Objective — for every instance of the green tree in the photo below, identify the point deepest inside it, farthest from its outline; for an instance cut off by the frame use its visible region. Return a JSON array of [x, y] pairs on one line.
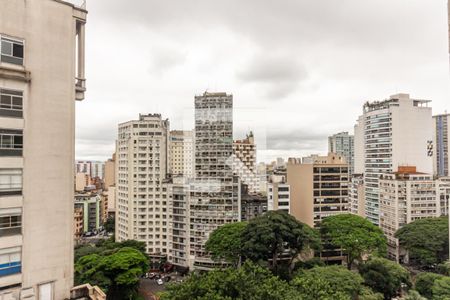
[[225, 243], [276, 233], [110, 224], [441, 289], [250, 282], [426, 241], [368, 294], [117, 271], [332, 278], [354, 234], [317, 289], [424, 283], [414, 295], [384, 276]]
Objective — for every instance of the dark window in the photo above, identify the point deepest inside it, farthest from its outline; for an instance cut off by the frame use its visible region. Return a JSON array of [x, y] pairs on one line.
[[11, 103], [10, 221], [11, 142], [11, 51]]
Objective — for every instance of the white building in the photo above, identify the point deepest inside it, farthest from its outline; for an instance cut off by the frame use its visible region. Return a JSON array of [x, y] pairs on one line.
[[181, 149], [356, 195], [441, 138], [278, 197], [142, 207], [343, 144], [397, 131], [41, 76], [92, 168], [405, 196]]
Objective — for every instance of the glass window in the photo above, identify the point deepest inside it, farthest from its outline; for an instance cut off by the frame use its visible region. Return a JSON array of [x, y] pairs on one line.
[[11, 51], [11, 142], [11, 103], [10, 221], [10, 261], [10, 182]]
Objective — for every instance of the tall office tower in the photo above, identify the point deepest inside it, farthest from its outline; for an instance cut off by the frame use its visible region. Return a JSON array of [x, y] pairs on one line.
[[41, 76], [441, 137], [319, 189], [181, 149], [343, 144], [407, 195], [244, 162], [214, 200], [142, 207], [397, 131]]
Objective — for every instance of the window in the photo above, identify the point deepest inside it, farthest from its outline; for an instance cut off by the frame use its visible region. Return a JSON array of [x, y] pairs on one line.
[[11, 103], [10, 221], [10, 182], [11, 51], [11, 142], [10, 261]]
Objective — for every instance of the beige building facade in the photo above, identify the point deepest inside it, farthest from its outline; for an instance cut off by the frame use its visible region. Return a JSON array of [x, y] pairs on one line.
[[142, 207], [181, 153], [244, 162], [407, 195], [41, 76]]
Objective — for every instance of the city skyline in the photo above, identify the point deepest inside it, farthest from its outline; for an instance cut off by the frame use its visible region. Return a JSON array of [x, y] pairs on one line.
[[288, 73]]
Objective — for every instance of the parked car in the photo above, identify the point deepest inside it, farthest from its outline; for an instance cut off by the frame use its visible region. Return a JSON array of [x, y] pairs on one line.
[[160, 281]]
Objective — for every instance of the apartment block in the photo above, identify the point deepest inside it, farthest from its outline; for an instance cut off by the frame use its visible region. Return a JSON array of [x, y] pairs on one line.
[[407, 195], [357, 197], [92, 168], [181, 149], [142, 206], [278, 196], [90, 207], [343, 144], [319, 188], [441, 138], [244, 162], [214, 198], [252, 204], [397, 131], [41, 76], [110, 172]]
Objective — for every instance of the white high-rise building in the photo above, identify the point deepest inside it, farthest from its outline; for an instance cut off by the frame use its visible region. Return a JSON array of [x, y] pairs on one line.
[[181, 149], [41, 76], [143, 209], [343, 144], [214, 200], [397, 132], [441, 137]]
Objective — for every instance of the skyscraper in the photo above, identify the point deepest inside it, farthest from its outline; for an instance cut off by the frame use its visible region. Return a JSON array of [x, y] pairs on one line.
[[343, 144], [244, 162], [441, 136], [396, 132], [142, 206], [41, 76], [214, 200]]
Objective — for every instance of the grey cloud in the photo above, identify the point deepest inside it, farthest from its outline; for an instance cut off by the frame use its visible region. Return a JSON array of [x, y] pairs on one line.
[[165, 58], [299, 139]]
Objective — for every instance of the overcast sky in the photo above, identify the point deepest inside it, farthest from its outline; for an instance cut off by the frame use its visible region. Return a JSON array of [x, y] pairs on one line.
[[299, 70]]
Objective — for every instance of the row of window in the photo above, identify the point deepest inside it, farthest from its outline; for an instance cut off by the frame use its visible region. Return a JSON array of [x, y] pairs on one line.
[[10, 261], [11, 51], [11, 142], [10, 221]]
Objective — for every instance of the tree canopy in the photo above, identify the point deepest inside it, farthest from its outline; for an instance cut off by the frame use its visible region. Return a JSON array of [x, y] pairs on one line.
[[441, 289], [114, 267], [384, 276], [225, 243], [250, 282], [424, 283], [354, 234], [426, 241], [276, 234], [334, 281]]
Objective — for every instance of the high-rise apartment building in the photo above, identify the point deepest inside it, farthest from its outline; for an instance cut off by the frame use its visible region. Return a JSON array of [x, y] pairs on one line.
[[181, 149], [397, 131], [92, 168], [441, 137], [214, 199], [244, 162], [356, 195], [407, 195], [41, 76], [142, 206], [319, 189], [343, 144]]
